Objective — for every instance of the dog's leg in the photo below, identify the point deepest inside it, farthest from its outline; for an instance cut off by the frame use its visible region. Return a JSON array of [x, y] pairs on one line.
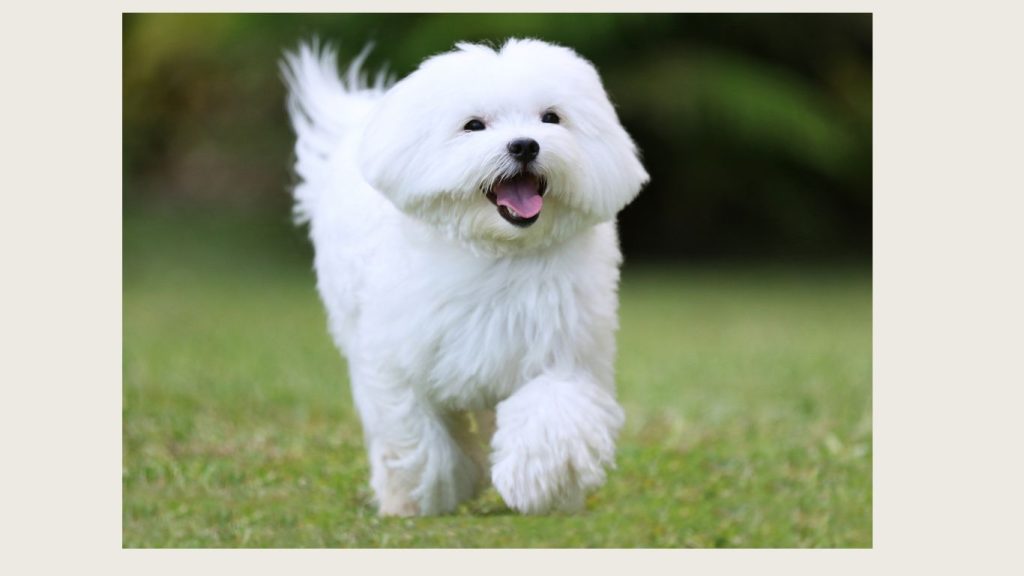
[[473, 432], [555, 437], [417, 468]]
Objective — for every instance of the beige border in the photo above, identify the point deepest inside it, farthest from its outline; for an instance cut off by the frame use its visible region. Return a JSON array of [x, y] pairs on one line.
[[948, 338]]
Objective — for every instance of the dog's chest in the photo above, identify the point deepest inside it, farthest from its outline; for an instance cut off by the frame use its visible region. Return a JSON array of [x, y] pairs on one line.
[[469, 338], [495, 340]]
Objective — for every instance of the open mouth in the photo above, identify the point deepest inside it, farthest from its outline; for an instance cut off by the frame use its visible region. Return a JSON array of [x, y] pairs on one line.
[[519, 199]]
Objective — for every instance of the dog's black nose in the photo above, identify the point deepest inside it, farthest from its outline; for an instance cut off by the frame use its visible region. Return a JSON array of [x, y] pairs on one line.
[[524, 149]]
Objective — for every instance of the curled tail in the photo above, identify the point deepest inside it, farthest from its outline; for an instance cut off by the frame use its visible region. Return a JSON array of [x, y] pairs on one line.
[[324, 108]]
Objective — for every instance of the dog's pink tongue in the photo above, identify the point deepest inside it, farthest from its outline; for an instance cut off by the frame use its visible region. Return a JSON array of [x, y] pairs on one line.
[[521, 195]]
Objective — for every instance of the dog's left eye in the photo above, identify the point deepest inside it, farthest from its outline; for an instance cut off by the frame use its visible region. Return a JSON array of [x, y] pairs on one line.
[[550, 118], [474, 125]]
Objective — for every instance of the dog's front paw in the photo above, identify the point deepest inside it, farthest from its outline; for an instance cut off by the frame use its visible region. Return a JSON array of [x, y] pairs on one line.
[[553, 442], [536, 481]]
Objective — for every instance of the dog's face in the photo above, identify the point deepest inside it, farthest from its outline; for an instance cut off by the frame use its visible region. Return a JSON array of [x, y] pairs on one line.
[[506, 150]]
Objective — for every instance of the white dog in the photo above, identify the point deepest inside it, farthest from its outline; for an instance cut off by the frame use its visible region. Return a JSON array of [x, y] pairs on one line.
[[466, 252]]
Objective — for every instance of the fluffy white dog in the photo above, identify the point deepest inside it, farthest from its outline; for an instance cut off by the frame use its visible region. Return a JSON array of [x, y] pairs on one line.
[[466, 252]]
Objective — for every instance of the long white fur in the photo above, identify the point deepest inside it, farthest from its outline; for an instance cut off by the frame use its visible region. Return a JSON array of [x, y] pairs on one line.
[[440, 305]]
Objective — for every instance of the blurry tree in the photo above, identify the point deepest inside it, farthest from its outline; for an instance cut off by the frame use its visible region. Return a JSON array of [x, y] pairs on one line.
[[756, 129]]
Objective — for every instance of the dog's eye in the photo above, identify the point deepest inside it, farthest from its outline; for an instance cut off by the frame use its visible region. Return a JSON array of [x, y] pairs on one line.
[[550, 118], [474, 125]]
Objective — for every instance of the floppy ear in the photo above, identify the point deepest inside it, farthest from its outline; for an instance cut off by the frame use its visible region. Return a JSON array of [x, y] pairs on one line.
[[611, 173], [386, 146], [394, 155], [615, 175]]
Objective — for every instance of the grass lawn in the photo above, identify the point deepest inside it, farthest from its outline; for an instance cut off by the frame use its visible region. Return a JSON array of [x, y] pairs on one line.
[[747, 393]]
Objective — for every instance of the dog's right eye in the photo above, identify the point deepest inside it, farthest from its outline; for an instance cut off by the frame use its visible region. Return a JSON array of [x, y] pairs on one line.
[[474, 125]]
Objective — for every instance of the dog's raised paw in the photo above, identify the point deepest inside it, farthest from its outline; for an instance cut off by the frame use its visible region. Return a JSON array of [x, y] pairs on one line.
[[554, 440]]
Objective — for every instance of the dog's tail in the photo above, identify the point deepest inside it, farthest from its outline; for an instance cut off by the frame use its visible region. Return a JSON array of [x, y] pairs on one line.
[[324, 108]]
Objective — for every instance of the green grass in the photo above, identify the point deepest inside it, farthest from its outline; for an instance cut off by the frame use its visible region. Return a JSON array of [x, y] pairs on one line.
[[747, 393]]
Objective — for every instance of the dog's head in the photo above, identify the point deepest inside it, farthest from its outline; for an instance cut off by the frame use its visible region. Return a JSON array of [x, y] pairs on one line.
[[505, 149]]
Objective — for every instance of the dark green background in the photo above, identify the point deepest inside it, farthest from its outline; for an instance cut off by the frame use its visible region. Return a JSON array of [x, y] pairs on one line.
[[756, 129]]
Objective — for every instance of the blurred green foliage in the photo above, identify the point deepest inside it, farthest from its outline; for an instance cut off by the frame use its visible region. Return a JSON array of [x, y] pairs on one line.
[[756, 129]]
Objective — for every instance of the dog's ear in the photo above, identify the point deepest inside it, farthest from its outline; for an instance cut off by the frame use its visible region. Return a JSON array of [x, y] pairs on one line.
[[611, 171], [397, 154], [409, 150], [614, 175]]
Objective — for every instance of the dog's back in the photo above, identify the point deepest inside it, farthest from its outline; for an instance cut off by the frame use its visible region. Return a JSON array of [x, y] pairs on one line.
[[328, 113]]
